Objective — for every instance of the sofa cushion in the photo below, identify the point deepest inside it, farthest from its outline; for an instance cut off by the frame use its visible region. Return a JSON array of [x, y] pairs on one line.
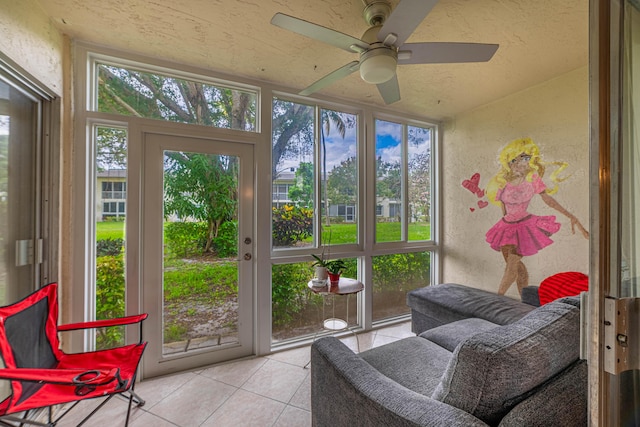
[[493, 371], [449, 302], [452, 334], [413, 362]]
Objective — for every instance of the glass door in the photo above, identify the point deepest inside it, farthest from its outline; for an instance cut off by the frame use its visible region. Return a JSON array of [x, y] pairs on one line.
[[197, 239], [20, 115]]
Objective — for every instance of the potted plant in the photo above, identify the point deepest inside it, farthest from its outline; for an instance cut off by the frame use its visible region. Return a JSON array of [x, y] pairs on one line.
[[321, 271], [335, 267]]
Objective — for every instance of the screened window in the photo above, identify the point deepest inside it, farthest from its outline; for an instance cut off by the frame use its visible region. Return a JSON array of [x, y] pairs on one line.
[[311, 156], [403, 182], [138, 93]]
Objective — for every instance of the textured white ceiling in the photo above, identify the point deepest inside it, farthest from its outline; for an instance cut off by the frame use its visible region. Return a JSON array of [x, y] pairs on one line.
[[539, 39]]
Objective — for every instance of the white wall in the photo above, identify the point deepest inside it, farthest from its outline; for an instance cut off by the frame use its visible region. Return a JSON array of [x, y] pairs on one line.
[[28, 37], [555, 115]]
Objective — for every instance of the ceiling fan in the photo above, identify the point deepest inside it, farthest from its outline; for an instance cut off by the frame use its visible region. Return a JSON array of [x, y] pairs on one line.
[[382, 47]]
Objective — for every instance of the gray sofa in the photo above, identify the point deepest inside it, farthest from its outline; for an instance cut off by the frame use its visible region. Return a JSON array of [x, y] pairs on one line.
[[495, 364]]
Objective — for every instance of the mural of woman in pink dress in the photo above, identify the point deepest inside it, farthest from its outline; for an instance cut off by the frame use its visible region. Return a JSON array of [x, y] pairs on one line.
[[520, 233]]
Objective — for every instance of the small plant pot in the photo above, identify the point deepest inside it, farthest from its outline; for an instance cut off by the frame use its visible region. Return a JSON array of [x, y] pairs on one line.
[[334, 279], [321, 272]]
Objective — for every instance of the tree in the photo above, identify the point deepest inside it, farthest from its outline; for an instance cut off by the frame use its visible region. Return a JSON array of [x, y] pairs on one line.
[[420, 184], [197, 186], [302, 192], [201, 187], [388, 184], [342, 184]]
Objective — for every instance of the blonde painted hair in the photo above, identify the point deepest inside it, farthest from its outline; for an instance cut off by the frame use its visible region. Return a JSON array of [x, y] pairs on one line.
[[536, 167]]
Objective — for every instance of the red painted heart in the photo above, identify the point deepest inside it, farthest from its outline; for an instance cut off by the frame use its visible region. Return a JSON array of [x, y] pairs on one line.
[[482, 204], [472, 183]]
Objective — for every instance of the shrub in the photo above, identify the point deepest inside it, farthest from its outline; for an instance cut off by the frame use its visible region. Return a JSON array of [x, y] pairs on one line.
[[395, 272], [291, 224], [185, 239], [226, 244], [109, 298], [289, 291], [109, 246]]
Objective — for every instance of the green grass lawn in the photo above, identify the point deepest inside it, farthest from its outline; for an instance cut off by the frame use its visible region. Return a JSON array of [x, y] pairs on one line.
[[109, 230], [340, 233], [385, 232]]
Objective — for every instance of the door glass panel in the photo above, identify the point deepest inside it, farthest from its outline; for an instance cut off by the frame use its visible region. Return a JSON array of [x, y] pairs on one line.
[[111, 195], [18, 141], [200, 266]]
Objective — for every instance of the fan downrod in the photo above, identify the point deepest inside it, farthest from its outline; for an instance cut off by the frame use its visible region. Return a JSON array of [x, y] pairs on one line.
[[376, 12]]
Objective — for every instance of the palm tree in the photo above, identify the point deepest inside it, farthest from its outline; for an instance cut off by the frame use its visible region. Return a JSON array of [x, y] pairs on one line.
[[329, 116]]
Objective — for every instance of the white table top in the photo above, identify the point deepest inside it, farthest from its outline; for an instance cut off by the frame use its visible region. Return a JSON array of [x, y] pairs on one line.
[[345, 286]]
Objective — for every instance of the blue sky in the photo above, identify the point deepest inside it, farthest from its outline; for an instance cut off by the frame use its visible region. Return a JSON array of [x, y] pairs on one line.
[[388, 146]]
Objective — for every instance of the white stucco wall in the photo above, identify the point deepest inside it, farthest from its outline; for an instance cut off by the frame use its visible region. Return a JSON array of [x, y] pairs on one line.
[[28, 37], [555, 115]]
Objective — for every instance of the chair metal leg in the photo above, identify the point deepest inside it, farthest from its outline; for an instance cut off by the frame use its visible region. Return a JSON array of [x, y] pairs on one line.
[[95, 410]]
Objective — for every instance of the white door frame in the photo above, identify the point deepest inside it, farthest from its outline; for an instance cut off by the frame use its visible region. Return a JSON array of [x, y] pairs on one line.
[[154, 143]]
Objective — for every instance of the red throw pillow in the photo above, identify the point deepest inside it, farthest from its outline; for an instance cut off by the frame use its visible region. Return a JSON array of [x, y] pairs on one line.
[[561, 285]]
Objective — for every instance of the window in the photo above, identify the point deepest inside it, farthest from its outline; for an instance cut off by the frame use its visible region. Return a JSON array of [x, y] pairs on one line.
[[403, 182], [114, 190], [131, 92], [308, 162], [403, 214]]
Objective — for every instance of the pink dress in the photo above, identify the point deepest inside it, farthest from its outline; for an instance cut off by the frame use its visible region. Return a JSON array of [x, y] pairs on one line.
[[529, 233]]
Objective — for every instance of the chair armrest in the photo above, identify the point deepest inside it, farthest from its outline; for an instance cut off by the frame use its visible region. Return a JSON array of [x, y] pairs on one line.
[[75, 377], [346, 390], [118, 321]]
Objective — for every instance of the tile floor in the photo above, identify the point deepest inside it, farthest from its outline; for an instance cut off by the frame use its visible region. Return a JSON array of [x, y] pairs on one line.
[[273, 390]]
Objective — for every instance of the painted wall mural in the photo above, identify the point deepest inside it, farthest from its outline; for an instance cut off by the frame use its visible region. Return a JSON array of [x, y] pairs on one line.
[[519, 233]]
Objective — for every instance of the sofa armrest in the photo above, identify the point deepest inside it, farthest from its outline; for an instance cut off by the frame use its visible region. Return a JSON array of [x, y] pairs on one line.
[[346, 390], [530, 296]]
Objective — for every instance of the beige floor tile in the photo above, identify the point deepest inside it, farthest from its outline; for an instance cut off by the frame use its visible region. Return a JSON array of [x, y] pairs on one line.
[[402, 330], [246, 409], [113, 413], [147, 420], [194, 402], [276, 380], [297, 356], [154, 390], [234, 373], [294, 417], [302, 397]]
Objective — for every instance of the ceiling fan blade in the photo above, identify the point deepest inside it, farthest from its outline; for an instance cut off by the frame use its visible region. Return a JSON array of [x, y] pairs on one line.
[[405, 18], [318, 32], [437, 53], [390, 90], [332, 77]]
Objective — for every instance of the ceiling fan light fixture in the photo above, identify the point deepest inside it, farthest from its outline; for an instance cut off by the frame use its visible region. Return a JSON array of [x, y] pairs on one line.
[[378, 65]]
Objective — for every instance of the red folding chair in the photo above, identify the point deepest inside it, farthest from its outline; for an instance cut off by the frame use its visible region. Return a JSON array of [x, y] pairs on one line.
[[41, 375]]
